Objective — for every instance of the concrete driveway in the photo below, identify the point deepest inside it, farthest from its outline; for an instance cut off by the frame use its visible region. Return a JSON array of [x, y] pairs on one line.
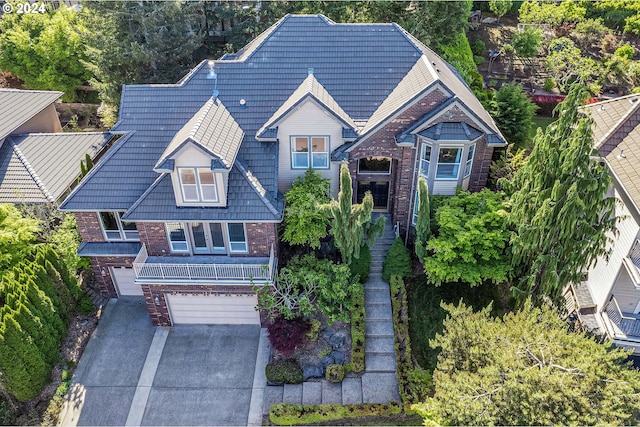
[[133, 373]]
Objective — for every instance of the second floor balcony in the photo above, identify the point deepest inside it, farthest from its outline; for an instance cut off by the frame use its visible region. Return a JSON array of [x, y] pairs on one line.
[[203, 268]]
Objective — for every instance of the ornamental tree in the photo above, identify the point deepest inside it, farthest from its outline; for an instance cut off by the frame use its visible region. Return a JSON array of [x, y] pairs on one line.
[[350, 222], [500, 7], [527, 369], [305, 224], [559, 208], [471, 246]]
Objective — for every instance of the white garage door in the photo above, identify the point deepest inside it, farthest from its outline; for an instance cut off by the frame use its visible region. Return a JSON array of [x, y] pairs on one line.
[[213, 309], [124, 278]]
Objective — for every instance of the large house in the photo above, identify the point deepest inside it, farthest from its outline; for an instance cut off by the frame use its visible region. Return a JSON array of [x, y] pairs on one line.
[[184, 209], [38, 162], [608, 300]]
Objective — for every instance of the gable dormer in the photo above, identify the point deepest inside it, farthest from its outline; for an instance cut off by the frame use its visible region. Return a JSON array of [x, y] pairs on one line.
[[200, 156], [308, 126]]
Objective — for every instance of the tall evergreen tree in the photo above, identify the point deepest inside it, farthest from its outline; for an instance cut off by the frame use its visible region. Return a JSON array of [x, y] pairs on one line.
[[513, 112], [558, 205], [423, 220], [349, 222], [527, 369]]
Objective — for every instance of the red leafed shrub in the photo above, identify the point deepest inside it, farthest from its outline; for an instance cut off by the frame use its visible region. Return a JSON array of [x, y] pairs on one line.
[[546, 103], [287, 335]]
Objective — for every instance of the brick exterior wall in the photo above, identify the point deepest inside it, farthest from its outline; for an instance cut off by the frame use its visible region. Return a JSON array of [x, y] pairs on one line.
[[160, 312], [260, 237], [404, 160], [105, 283], [154, 236], [89, 226]]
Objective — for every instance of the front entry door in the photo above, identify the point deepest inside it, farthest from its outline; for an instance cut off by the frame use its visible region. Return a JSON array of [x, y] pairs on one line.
[[379, 192]]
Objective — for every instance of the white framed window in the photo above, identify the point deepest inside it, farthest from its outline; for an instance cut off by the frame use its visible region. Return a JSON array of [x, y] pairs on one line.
[[115, 228], [310, 152], [198, 185], [375, 165], [448, 163], [237, 237], [469, 164], [425, 160], [415, 209], [177, 237]]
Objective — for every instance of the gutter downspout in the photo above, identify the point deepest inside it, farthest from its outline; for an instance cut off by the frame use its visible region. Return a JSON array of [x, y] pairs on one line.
[[412, 200]]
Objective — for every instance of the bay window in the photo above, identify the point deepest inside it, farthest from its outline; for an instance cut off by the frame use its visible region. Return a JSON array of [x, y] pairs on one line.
[[425, 160], [448, 163], [467, 168]]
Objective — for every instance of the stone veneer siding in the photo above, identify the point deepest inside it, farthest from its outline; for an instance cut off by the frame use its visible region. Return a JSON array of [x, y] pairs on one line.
[[160, 312], [404, 166]]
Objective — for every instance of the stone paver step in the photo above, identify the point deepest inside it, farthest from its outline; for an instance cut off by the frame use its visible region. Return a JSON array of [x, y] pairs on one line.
[[292, 393], [351, 390], [378, 328], [379, 284], [378, 312], [376, 295], [380, 362], [331, 392], [379, 345], [380, 387], [272, 394], [311, 392]]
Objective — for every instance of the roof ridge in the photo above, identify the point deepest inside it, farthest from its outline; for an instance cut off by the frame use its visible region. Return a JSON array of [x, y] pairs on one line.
[[203, 114], [31, 171], [8, 89], [250, 48], [32, 134], [256, 185]]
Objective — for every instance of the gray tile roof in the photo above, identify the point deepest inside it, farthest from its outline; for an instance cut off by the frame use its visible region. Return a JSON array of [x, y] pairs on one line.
[[40, 167], [213, 129], [310, 87], [609, 115], [109, 248], [359, 66], [447, 131], [18, 106], [159, 203]]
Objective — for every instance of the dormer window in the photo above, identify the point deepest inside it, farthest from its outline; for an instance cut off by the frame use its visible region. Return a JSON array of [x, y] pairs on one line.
[[198, 185], [310, 152]]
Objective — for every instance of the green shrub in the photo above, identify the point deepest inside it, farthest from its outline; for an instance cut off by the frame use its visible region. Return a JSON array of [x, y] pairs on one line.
[[334, 373], [549, 84], [51, 415], [286, 414], [414, 383], [360, 266], [477, 59], [85, 305], [284, 371], [625, 51], [314, 330], [66, 375], [7, 414], [397, 262], [357, 332], [478, 47]]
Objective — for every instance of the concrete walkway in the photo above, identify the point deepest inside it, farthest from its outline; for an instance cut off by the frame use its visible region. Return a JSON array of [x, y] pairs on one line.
[[379, 383]]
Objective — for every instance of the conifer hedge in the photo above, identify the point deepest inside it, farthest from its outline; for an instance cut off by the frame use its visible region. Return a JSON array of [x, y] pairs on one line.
[[37, 299]]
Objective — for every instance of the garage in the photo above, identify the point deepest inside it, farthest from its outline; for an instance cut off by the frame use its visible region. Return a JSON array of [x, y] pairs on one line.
[[213, 309], [124, 281]]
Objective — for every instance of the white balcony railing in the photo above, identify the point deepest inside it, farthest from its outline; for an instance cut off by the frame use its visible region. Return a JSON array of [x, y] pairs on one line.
[[194, 271]]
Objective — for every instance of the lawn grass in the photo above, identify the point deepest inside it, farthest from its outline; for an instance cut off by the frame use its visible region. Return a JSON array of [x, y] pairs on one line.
[[426, 315], [539, 122]]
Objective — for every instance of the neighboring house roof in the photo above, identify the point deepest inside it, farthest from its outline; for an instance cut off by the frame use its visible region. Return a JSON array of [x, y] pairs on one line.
[[616, 133], [447, 131], [40, 167], [213, 129], [359, 66], [18, 106], [309, 88]]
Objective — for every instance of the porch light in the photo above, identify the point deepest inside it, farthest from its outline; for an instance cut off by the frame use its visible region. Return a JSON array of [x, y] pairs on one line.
[[157, 300], [103, 272]]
